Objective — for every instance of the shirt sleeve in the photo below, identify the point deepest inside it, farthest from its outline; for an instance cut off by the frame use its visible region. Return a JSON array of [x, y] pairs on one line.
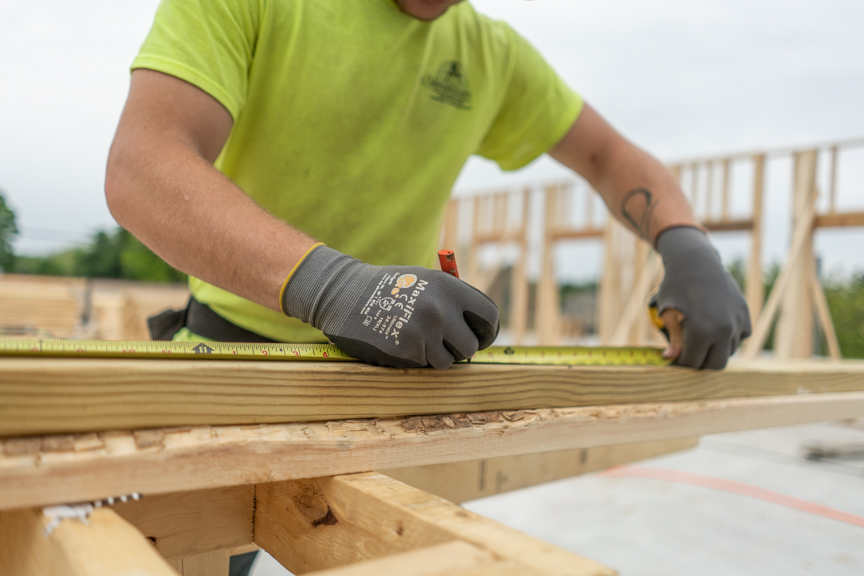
[[537, 111], [208, 43]]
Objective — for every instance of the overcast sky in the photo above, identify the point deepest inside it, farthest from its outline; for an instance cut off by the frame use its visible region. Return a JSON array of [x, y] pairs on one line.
[[680, 78]]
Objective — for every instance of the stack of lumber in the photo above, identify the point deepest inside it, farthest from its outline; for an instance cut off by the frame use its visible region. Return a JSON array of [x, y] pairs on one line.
[[42, 305], [121, 308], [59, 307]]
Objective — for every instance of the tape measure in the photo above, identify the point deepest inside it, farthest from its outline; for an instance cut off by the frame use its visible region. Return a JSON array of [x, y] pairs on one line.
[[538, 355]]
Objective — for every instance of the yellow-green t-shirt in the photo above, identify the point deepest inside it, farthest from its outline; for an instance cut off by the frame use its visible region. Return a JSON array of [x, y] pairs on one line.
[[352, 120]]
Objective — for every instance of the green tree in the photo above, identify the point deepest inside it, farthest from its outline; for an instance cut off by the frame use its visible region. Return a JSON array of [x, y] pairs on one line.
[[137, 262], [738, 270], [846, 302], [109, 254], [8, 231], [119, 254], [101, 259]]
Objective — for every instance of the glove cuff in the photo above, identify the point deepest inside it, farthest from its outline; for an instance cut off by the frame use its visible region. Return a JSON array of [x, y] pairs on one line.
[[322, 285], [681, 244], [304, 286]]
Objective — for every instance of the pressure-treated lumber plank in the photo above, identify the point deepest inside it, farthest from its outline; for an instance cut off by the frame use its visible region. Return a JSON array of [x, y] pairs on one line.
[[462, 481], [192, 523], [47, 396], [439, 560], [106, 546], [327, 522], [100, 465]]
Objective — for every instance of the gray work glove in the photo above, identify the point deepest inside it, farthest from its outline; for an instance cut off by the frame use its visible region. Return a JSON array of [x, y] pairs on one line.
[[716, 318], [399, 316]]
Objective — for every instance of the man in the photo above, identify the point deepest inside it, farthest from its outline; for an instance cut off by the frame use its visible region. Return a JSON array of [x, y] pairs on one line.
[[256, 129], [348, 122]]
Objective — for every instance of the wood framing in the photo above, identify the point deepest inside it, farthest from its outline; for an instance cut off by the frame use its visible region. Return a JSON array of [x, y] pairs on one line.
[[189, 528], [452, 558], [49, 396], [91, 466], [327, 522], [794, 335], [839, 220], [755, 289], [185, 524], [106, 545], [214, 563], [800, 234], [627, 331], [823, 316], [462, 481], [547, 309]]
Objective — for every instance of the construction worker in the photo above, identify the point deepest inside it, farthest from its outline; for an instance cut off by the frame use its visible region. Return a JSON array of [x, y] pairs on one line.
[[295, 157]]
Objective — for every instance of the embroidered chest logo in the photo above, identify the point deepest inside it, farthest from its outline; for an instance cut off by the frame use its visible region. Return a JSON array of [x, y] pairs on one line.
[[450, 85]]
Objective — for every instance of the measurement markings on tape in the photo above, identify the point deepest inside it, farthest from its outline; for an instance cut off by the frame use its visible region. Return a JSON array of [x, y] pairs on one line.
[[536, 355], [169, 350]]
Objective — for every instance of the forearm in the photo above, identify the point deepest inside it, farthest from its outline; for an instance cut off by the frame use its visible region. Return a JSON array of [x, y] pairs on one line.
[[198, 221], [641, 193], [639, 190]]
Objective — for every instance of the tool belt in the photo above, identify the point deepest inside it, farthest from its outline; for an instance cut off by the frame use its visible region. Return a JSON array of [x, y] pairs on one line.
[[200, 319]]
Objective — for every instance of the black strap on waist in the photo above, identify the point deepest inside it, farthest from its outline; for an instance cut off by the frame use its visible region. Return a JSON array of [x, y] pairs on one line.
[[200, 319]]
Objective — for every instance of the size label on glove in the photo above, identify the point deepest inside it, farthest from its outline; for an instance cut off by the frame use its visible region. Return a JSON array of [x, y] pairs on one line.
[[392, 303]]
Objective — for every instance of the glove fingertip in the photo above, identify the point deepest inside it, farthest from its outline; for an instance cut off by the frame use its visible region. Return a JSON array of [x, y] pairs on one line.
[[486, 333]]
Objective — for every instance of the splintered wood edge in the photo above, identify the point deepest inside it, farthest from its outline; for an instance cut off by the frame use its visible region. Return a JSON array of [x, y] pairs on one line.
[[51, 470]]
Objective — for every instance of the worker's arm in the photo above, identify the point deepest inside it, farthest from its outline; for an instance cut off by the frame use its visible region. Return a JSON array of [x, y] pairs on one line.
[[161, 186], [702, 307], [638, 189]]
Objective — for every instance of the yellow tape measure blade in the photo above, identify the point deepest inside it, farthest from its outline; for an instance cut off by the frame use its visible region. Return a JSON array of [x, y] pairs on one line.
[[169, 350], [571, 356], [536, 355]]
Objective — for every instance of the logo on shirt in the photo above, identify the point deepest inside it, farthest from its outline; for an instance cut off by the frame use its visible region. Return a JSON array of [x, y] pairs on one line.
[[450, 85]]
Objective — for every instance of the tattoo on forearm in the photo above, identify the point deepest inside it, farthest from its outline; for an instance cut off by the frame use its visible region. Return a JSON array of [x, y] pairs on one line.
[[639, 199]]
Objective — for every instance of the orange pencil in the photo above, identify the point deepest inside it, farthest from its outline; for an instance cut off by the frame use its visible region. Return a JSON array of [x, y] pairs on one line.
[[448, 262]]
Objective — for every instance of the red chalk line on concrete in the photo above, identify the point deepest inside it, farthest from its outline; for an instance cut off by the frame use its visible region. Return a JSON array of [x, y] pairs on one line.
[[732, 487]]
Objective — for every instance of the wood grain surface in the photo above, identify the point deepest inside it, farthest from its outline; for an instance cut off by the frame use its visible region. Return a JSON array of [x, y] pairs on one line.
[[106, 545], [50, 396], [73, 468], [323, 523], [462, 481]]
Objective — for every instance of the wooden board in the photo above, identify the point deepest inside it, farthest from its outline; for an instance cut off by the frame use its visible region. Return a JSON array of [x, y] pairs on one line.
[[841, 219], [48, 396], [214, 563], [64, 307], [793, 336], [194, 523], [41, 471], [439, 560], [327, 522], [106, 546], [462, 481]]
